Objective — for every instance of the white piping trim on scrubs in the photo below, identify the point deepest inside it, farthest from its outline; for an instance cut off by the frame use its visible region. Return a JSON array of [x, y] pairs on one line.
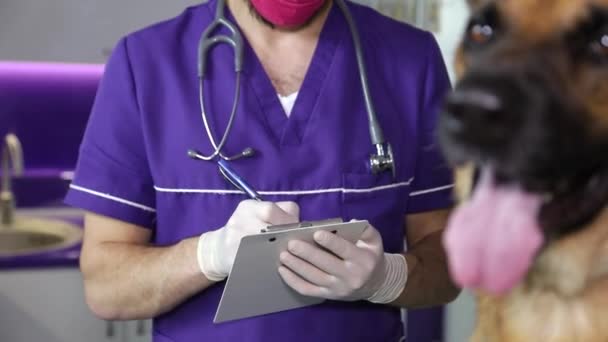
[[428, 191], [112, 198], [295, 192]]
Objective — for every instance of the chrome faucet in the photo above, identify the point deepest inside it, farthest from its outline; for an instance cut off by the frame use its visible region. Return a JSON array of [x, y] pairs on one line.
[[12, 154]]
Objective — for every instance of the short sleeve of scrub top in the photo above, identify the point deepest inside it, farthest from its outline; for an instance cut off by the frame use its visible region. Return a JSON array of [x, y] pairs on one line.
[[112, 174], [433, 180]]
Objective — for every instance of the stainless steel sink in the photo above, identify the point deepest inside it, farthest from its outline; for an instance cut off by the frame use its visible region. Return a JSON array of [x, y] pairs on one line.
[[23, 234], [35, 235]]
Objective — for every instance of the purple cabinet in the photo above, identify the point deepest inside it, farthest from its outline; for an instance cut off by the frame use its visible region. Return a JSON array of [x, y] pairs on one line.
[[47, 106]]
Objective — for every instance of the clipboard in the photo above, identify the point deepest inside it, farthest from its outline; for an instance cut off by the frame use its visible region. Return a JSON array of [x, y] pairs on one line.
[[255, 287]]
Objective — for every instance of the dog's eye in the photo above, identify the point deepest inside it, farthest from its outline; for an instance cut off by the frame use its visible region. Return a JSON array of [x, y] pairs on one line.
[[482, 29], [599, 47], [480, 33], [589, 41]]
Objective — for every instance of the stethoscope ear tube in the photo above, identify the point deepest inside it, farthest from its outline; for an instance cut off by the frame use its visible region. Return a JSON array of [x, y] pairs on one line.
[[207, 41]]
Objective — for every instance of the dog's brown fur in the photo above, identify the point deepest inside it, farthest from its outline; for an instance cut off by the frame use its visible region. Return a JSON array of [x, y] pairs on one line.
[[565, 295], [564, 298]]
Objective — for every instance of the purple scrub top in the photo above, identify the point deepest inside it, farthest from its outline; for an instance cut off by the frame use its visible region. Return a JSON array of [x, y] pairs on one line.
[[133, 164]]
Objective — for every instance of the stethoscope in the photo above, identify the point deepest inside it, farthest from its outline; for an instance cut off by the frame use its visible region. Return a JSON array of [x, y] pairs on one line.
[[380, 161]]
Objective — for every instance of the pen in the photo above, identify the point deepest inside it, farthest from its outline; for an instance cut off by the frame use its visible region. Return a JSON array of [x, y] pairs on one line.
[[238, 182]]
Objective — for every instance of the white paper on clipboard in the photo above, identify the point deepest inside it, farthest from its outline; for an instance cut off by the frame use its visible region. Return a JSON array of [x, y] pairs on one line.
[[255, 287]]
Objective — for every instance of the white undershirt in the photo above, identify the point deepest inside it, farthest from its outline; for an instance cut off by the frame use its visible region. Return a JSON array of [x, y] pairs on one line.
[[287, 102]]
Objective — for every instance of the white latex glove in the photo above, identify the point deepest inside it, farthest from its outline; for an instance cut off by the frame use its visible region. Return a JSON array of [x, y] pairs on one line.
[[217, 249], [353, 272]]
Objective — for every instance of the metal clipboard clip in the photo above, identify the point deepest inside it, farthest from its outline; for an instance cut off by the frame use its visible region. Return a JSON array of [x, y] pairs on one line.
[[304, 224]]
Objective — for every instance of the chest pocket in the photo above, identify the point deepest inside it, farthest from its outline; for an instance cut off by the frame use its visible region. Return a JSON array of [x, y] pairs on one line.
[[381, 201]]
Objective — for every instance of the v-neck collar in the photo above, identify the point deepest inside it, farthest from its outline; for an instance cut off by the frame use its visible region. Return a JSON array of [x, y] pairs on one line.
[[290, 130]]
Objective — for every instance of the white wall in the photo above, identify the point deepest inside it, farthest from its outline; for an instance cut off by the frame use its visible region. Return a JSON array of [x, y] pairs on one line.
[[75, 30], [453, 18]]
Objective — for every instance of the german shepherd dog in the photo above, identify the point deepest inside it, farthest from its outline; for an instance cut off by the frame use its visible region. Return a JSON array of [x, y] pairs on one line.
[[526, 129]]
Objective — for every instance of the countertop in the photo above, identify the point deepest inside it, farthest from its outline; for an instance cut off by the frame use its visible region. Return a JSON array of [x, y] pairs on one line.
[[67, 257]]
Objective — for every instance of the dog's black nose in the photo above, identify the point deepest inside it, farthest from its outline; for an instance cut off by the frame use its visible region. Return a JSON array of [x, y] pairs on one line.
[[478, 114]]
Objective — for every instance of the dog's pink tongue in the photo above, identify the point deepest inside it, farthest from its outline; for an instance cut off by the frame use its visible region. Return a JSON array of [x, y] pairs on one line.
[[492, 239]]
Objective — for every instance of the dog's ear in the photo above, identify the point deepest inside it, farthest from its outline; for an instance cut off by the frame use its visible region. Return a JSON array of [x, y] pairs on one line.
[[474, 4]]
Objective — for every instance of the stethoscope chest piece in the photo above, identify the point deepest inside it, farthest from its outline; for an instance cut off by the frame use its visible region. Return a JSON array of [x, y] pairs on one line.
[[383, 160]]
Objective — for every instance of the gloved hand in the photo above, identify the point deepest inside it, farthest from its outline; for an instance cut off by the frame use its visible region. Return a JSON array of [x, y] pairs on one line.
[[353, 272], [217, 249]]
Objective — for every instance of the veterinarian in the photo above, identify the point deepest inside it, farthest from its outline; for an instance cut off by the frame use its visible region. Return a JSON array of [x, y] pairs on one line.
[[162, 226]]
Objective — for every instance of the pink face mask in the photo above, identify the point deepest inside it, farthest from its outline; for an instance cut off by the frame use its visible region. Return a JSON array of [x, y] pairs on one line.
[[287, 13]]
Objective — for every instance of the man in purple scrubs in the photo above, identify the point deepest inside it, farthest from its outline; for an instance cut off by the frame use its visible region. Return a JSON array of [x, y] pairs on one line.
[[162, 229]]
